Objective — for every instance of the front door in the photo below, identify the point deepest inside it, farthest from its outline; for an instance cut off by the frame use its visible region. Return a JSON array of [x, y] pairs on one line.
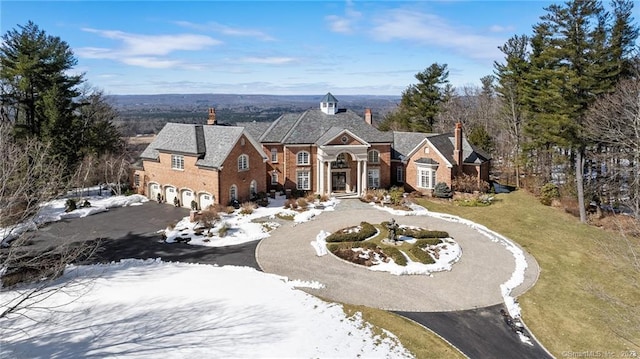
[[338, 181]]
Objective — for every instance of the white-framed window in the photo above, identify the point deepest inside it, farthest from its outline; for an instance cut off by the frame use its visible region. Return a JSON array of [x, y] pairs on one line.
[[136, 180], [400, 174], [233, 192], [253, 188], [303, 158], [274, 177], [243, 162], [303, 182], [373, 177], [373, 156], [274, 155], [426, 177], [177, 162]]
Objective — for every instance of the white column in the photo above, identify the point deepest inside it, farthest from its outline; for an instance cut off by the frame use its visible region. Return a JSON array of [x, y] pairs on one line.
[[359, 176], [364, 175], [329, 186], [320, 176]]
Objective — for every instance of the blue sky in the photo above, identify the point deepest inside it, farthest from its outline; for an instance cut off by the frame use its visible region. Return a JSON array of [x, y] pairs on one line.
[[276, 47]]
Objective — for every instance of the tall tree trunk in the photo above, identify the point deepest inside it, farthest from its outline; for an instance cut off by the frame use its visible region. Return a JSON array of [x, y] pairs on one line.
[[580, 184]]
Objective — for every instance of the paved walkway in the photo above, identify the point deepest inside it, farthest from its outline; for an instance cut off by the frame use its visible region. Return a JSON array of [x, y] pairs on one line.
[[474, 281]]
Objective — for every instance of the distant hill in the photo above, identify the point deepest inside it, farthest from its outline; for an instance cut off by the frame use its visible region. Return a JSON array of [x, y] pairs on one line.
[[145, 114]]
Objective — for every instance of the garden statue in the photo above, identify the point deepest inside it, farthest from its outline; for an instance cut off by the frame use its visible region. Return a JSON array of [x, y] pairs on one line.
[[393, 228]]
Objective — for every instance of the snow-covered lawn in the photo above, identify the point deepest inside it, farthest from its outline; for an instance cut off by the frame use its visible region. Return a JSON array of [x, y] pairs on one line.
[[54, 211], [154, 309], [242, 228]]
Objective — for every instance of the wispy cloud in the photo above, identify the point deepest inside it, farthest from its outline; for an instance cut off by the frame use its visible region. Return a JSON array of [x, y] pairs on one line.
[[148, 51], [499, 28], [268, 60], [344, 24], [226, 30], [429, 29]]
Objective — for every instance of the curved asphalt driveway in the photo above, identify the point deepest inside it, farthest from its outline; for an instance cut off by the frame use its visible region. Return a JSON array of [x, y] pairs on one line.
[[474, 281]]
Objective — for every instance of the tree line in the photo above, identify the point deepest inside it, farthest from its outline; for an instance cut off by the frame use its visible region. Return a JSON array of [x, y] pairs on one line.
[[562, 106], [55, 129]]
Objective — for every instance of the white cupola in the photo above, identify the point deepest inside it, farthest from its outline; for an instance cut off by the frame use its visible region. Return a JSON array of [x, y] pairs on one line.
[[329, 104]]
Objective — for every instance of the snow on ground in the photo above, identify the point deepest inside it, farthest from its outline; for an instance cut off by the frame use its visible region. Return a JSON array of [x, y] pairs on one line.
[[517, 276], [54, 210], [242, 228], [151, 309]]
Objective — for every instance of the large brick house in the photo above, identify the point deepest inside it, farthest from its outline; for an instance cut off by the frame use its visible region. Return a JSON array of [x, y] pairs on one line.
[[322, 150]]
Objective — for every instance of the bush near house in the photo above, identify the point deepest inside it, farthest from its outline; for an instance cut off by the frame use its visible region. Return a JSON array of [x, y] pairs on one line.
[[441, 190], [469, 184]]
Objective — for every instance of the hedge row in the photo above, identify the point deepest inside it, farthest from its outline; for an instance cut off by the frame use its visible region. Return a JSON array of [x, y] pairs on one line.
[[396, 254], [348, 245], [367, 230], [422, 233], [421, 255], [422, 243]]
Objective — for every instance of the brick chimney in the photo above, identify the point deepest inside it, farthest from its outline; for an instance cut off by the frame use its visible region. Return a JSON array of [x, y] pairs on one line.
[[367, 116], [457, 149], [212, 117]]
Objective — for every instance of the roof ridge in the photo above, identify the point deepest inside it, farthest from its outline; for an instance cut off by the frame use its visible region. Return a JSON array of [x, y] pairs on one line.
[[284, 138]]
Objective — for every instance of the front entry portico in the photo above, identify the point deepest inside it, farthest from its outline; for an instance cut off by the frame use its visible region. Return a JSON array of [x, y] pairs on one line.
[[342, 172]]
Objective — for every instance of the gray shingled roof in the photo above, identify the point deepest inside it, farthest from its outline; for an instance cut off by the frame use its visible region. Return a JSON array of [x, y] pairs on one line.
[[279, 128], [211, 144], [219, 141], [405, 142], [445, 143], [426, 160], [255, 129], [177, 138], [311, 125]]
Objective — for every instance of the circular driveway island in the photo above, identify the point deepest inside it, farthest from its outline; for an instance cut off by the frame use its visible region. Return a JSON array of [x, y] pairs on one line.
[[473, 282]]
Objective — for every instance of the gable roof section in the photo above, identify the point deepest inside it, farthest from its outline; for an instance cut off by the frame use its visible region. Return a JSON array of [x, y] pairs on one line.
[[177, 138], [335, 132], [212, 144], [406, 142], [256, 129], [309, 126], [279, 128], [445, 144]]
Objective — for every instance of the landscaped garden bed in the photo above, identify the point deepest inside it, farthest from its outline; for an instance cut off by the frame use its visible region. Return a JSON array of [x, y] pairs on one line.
[[414, 250]]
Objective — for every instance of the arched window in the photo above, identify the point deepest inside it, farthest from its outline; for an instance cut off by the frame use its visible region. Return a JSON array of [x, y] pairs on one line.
[[374, 156], [233, 192], [253, 188], [303, 158], [243, 162], [274, 177]]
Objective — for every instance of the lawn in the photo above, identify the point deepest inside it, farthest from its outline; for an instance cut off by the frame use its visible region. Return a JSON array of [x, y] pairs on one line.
[[588, 296], [418, 340]]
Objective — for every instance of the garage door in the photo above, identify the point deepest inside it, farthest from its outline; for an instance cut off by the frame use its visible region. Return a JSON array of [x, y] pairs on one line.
[[154, 191], [206, 200], [170, 194], [187, 197]]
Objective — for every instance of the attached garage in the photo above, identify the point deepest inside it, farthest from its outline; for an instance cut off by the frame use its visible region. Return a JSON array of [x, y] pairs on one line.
[[187, 197], [154, 191], [170, 194], [205, 200]]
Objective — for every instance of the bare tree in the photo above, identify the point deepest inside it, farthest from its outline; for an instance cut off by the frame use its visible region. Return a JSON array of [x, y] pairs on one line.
[[29, 177], [613, 122]]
